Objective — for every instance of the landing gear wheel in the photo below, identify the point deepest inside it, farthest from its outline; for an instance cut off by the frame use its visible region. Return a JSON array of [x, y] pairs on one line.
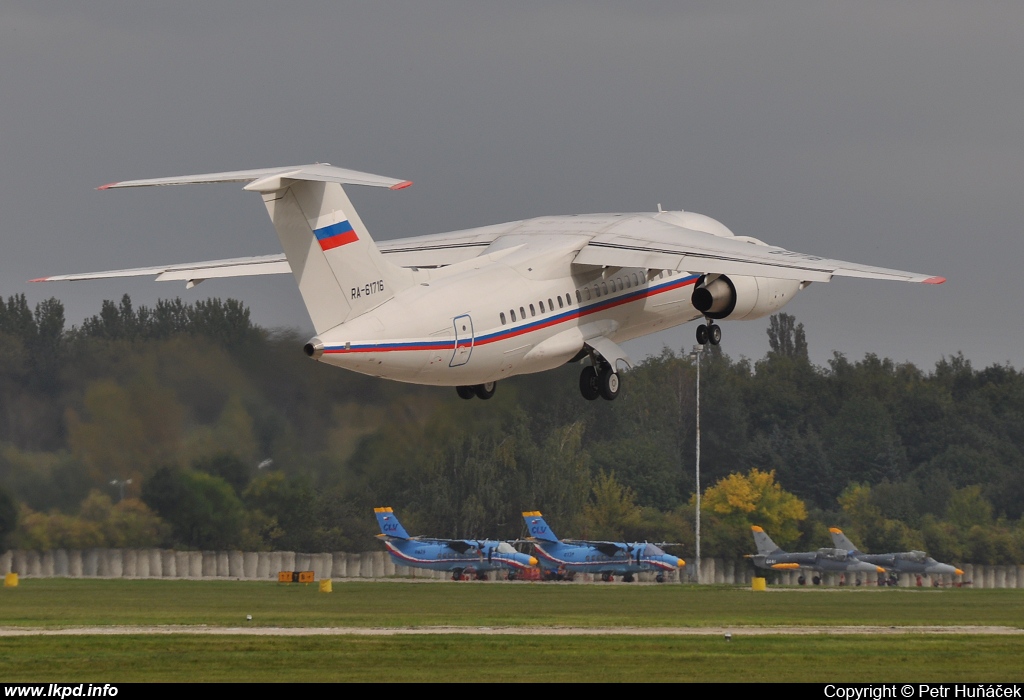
[[660, 578], [466, 392], [609, 384], [588, 383], [456, 574], [511, 576], [702, 334], [816, 580], [627, 578], [607, 578], [485, 391], [714, 334]]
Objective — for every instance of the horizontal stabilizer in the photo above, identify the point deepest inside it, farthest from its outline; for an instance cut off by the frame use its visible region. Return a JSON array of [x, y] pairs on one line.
[[270, 179], [192, 273]]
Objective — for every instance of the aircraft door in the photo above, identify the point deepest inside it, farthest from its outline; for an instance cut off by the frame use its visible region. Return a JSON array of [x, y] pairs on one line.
[[463, 341]]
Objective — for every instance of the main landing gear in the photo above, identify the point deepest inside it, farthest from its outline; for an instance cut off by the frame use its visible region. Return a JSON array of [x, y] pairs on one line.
[[711, 333], [604, 383], [483, 391]]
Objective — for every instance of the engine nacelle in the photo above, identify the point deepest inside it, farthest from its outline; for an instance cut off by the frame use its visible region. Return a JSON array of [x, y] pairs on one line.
[[743, 298]]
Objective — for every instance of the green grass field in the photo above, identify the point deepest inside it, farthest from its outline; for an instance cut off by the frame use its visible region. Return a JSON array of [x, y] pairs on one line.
[[60, 603]]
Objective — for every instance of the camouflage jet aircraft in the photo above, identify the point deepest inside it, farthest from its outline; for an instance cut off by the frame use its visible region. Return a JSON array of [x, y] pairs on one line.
[[913, 562], [461, 557], [771, 556]]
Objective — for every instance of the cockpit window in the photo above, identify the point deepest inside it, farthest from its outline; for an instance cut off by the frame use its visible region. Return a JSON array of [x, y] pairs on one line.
[[505, 548], [654, 550]]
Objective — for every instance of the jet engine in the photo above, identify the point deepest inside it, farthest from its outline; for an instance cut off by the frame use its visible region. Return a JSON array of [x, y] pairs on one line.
[[742, 298]]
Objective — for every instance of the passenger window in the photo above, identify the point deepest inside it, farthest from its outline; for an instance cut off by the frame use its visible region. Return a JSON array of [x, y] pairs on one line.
[[618, 281], [532, 312], [502, 315], [551, 306], [568, 299], [560, 304], [636, 280], [541, 302], [604, 287], [628, 285], [522, 313], [597, 291], [586, 291], [513, 315], [579, 297]]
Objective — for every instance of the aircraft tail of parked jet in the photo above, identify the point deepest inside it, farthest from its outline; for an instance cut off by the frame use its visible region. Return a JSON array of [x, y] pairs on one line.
[[340, 272], [841, 541], [537, 527], [389, 525], [764, 543]]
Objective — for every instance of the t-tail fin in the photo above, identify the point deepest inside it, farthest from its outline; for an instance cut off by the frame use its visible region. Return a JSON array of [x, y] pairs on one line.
[[763, 541], [537, 527], [841, 541], [389, 525], [340, 272]]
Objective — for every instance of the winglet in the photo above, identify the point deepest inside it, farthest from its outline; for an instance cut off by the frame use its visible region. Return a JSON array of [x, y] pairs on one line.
[[107, 186], [934, 280], [757, 528], [835, 531], [401, 185]]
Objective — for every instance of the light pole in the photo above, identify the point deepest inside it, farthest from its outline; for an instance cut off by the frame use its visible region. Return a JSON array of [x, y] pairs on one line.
[[695, 356], [121, 483]]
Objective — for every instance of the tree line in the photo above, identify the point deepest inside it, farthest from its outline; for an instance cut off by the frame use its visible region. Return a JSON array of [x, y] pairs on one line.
[[231, 438]]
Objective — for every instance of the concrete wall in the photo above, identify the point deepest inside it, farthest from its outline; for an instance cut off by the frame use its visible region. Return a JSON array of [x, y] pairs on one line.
[[163, 563]]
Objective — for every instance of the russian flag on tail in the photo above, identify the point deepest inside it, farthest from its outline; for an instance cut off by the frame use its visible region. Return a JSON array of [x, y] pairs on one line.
[[335, 235]]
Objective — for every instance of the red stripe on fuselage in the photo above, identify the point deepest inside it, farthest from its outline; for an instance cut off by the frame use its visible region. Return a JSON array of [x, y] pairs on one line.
[[528, 328]]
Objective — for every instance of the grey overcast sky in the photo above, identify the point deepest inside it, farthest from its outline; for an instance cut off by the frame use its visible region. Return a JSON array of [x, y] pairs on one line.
[[877, 132]]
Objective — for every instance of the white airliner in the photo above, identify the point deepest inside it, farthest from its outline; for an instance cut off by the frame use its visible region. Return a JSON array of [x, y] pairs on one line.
[[469, 308]]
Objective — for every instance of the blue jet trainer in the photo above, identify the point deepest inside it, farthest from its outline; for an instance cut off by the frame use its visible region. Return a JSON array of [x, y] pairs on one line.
[[461, 557], [558, 558]]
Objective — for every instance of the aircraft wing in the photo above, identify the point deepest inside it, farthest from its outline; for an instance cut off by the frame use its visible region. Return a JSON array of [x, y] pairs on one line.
[[609, 549], [191, 273], [668, 247], [461, 546]]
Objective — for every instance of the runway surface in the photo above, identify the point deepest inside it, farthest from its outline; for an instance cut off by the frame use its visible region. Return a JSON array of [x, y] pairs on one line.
[[508, 631]]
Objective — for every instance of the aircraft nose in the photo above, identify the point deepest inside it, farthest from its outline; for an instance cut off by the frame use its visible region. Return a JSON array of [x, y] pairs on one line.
[[959, 572], [680, 563], [533, 561], [879, 570]]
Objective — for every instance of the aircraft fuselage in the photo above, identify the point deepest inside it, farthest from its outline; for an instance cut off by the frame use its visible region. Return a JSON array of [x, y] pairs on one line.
[[507, 314]]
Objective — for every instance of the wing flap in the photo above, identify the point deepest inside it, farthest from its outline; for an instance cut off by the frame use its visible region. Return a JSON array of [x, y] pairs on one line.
[[662, 246]]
